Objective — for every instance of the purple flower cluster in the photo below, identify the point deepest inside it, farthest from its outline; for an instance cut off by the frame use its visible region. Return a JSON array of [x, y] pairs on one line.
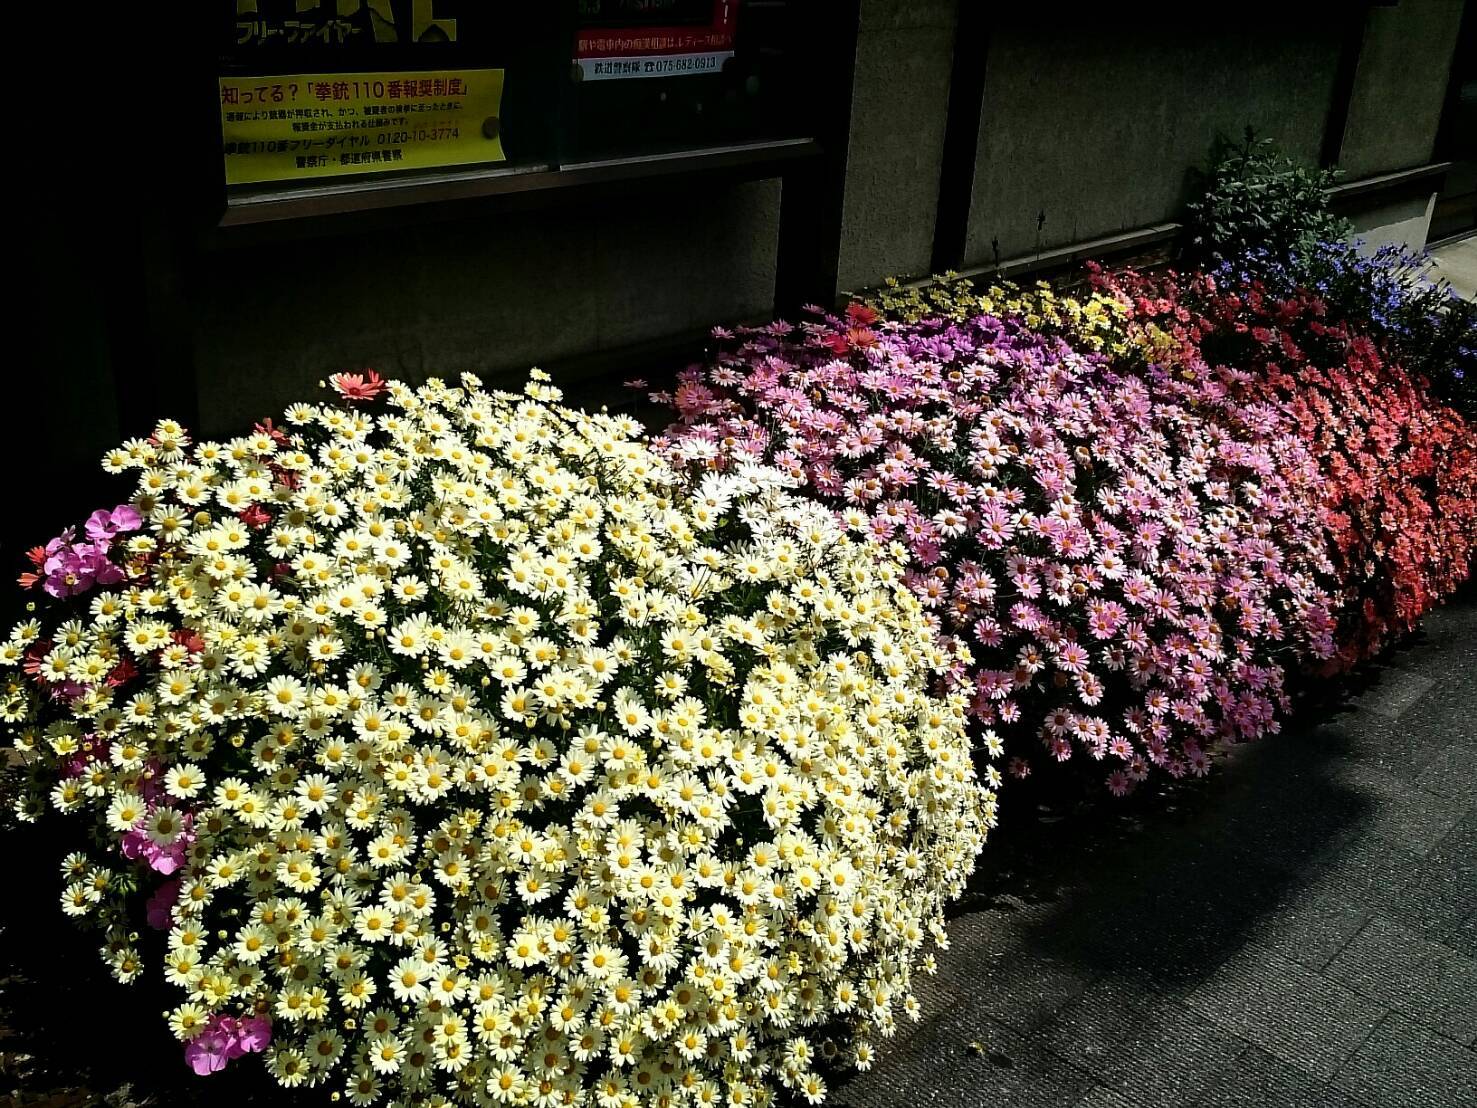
[[69, 567], [225, 1039], [1128, 575]]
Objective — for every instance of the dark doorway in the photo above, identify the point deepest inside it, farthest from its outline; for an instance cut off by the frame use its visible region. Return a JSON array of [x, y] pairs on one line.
[[1456, 142]]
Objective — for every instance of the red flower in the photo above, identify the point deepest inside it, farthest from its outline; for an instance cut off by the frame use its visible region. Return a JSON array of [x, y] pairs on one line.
[[124, 672], [190, 640], [34, 657], [1400, 506], [276, 434], [256, 517], [356, 387]]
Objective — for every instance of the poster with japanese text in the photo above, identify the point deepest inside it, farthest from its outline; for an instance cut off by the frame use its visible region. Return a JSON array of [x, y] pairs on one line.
[[654, 38], [308, 125]]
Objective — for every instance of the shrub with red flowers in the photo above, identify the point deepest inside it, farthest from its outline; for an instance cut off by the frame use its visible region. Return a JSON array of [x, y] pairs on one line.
[[1130, 578], [1399, 495]]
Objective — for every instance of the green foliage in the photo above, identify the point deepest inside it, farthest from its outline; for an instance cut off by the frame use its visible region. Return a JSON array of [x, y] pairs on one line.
[[1256, 196]]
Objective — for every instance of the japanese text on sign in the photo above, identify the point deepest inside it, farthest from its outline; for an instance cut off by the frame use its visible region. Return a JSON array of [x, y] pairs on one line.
[[339, 22], [619, 50], [317, 125]]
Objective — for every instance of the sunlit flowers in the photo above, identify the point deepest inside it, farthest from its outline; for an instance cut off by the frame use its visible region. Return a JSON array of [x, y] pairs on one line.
[[464, 756], [1397, 502], [1125, 575]]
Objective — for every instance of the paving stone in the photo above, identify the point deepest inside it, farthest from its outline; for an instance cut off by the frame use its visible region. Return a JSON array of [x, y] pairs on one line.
[[1446, 650], [1102, 1097], [1446, 713], [1403, 814], [1458, 850], [1117, 923], [1025, 1072], [992, 968], [1257, 1079], [1441, 891], [1464, 938], [1403, 748], [964, 1061], [1296, 1015], [1433, 902], [1150, 1049], [1282, 806], [1367, 869], [1452, 773], [1394, 692], [1311, 926], [1403, 1065], [1431, 652], [1431, 984]]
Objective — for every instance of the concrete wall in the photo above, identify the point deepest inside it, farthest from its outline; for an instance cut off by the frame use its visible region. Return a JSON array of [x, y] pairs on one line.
[[904, 59], [1096, 124], [490, 295], [1399, 86]]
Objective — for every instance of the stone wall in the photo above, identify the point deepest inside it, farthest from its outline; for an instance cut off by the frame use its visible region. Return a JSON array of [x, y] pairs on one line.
[[1399, 86], [905, 53], [493, 295], [1095, 127]]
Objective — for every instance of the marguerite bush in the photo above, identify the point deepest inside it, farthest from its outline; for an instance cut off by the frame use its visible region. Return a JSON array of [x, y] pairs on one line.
[[467, 758]]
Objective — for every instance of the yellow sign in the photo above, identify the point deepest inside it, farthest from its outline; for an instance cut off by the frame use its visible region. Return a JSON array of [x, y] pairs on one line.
[[327, 124]]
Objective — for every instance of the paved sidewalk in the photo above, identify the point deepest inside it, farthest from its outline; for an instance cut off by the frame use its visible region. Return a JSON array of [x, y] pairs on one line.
[[1300, 931], [1457, 262]]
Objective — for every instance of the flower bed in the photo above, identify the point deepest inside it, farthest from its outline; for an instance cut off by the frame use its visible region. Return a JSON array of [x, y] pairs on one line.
[[461, 753], [444, 746], [1390, 296], [1128, 576], [1399, 488]]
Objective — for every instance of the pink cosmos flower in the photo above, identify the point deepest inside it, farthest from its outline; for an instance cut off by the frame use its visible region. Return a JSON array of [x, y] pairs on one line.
[[74, 569]]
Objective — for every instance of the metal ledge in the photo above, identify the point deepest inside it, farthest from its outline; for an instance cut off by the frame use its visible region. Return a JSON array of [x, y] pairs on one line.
[[1060, 257], [377, 194], [1418, 180], [1390, 182]]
